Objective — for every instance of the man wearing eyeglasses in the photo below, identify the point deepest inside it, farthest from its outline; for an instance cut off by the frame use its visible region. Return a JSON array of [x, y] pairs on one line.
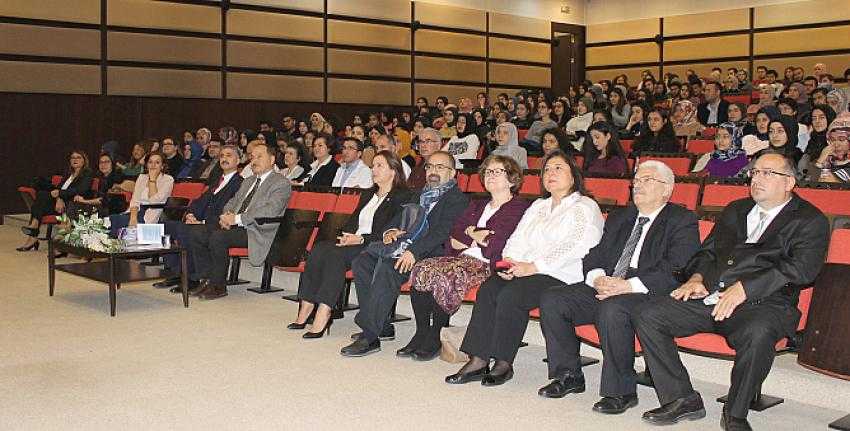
[[642, 246], [744, 284], [429, 142], [378, 279], [352, 172]]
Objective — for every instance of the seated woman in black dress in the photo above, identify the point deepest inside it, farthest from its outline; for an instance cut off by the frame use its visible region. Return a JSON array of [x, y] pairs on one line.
[[324, 167], [324, 274], [109, 176], [52, 201], [660, 138]]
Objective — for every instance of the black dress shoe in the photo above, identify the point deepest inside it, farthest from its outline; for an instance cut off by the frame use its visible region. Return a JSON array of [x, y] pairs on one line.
[[690, 407], [194, 287], [406, 351], [425, 354], [472, 376], [497, 379], [168, 282], [615, 405], [558, 388], [361, 347], [296, 326], [731, 423], [213, 292]]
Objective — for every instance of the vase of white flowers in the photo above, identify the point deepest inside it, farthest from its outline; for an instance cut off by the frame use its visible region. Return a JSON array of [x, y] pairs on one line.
[[87, 231]]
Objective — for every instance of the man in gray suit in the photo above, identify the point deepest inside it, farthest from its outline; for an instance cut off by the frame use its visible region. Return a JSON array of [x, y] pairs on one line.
[[265, 194]]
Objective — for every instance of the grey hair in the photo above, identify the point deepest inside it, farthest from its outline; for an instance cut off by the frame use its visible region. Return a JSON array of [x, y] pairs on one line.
[[433, 132], [666, 173]]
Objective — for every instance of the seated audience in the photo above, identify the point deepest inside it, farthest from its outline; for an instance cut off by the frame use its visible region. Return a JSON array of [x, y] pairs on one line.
[[439, 284], [323, 278], [419, 232], [545, 250], [684, 119], [605, 156], [714, 110], [296, 165], [837, 100], [429, 143], [577, 126], [152, 189], [450, 114], [209, 169], [833, 163], [728, 158], [637, 121], [642, 247], [535, 132], [352, 172], [506, 138], [788, 107], [324, 167], [821, 117], [263, 195], [620, 108], [464, 145], [659, 138], [51, 199], [136, 165], [555, 139], [173, 160], [101, 200], [521, 120], [391, 144], [744, 285]]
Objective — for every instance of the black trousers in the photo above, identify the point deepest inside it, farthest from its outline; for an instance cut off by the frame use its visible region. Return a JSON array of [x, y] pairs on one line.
[[753, 331], [43, 205], [323, 278], [179, 232], [562, 308], [208, 247], [500, 315], [378, 284]]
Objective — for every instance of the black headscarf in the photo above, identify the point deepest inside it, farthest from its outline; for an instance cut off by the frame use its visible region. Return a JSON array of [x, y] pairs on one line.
[[790, 149], [470, 125], [772, 113], [817, 140]]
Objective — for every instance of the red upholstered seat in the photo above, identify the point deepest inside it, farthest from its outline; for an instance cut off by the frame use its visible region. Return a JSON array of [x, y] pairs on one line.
[[314, 201], [535, 163], [521, 134], [530, 185], [611, 188], [462, 182], [686, 194], [680, 165], [588, 334], [346, 203], [721, 194], [237, 252], [742, 98], [839, 251], [627, 145], [835, 202], [709, 132], [475, 185], [188, 190], [700, 146]]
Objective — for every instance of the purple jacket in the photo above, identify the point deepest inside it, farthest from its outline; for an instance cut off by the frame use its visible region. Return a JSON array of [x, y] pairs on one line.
[[503, 223]]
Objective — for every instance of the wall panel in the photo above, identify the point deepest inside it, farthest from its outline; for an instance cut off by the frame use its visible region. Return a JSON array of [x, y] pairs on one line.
[[521, 50], [135, 81], [392, 10], [450, 16], [49, 41], [709, 22], [633, 73], [450, 43], [274, 87], [520, 75], [453, 92], [87, 11], [29, 77], [373, 35], [266, 24], [274, 56], [520, 26], [621, 54], [450, 70], [368, 63], [163, 49], [307, 5], [164, 15], [624, 30], [707, 47], [803, 40], [372, 92], [805, 12]]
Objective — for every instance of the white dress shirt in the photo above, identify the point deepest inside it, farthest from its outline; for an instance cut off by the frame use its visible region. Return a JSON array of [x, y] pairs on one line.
[[753, 220], [224, 181], [556, 240], [367, 215], [635, 282], [358, 175], [253, 201]]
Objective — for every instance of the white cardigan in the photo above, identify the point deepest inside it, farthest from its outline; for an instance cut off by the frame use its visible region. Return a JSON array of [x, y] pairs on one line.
[[556, 240]]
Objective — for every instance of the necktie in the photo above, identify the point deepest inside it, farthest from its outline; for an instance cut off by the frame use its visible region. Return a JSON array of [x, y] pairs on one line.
[[756, 233], [250, 195], [626, 258], [220, 182]]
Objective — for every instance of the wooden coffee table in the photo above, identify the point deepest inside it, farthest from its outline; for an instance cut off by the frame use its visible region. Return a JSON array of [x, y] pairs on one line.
[[121, 267]]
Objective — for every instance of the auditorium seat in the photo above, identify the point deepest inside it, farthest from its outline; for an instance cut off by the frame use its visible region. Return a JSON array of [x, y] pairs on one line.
[[699, 146], [705, 227], [463, 182], [617, 189], [474, 185], [535, 163], [627, 145], [521, 134], [530, 185], [686, 194], [832, 202], [839, 247], [680, 163], [740, 98], [188, 190], [346, 203], [717, 196]]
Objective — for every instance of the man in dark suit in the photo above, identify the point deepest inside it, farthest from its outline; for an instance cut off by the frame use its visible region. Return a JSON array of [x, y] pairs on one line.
[[714, 110], [744, 284], [641, 247], [379, 279], [207, 207], [262, 195]]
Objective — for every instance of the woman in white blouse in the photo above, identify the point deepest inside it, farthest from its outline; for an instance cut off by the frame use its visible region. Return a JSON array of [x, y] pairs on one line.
[[152, 188], [323, 278], [545, 250], [463, 145]]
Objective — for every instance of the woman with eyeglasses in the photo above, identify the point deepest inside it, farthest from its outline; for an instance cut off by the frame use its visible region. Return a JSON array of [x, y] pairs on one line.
[[109, 177], [50, 199], [833, 164], [439, 284], [545, 250]]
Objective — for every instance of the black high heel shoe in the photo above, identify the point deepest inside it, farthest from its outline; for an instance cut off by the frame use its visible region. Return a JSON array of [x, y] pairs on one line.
[[30, 231], [296, 326], [33, 246], [320, 334]]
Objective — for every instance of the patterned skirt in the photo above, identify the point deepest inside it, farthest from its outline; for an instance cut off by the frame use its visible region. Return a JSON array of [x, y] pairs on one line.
[[449, 278]]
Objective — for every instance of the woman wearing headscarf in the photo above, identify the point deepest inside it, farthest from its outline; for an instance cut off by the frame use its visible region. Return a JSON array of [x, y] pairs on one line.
[[464, 145], [797, 91], [833, 164], [728, 158], [481, 127], [684, 119], [196, 152], [508, 145], [317, 122], [761, 132], [450, 115], [782, 139], [822, 116], [837, 101], [403, 146]]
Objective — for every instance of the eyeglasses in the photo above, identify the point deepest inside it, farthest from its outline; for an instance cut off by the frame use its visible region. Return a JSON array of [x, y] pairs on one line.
[[350, 147], [431, 141], [646, 180], [437, 167], [494, 172], [767, 173]]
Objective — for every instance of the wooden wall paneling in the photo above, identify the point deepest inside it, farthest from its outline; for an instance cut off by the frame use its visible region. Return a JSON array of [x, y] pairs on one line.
[[274, 56], [520, 75], [621, 54], [804, 12], [453, 92], [507, 49], [624, 30], [164, 15], [274, 87], [368, 35], [372, 92], [163, 49], [450, 70], [451, 16], [85, 11], [32, 77], [137, 81], [802, 40], [305, 5], [49, 41], [391, 10], [706, 47], [708, 22], [274, 25], [519, 25], [450, 43], [351, 62]]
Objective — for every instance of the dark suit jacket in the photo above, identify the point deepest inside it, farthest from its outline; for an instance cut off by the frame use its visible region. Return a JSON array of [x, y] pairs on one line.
[[722, 112], [440, 222], [386, 212], [787, 257], [209, 206], [80, 186], [325, 175], [670, 242]]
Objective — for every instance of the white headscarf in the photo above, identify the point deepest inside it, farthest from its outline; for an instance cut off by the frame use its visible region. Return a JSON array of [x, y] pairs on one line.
[[511, 148]]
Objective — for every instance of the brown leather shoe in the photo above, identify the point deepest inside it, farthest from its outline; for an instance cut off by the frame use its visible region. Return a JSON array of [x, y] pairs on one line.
[[213, 292]]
